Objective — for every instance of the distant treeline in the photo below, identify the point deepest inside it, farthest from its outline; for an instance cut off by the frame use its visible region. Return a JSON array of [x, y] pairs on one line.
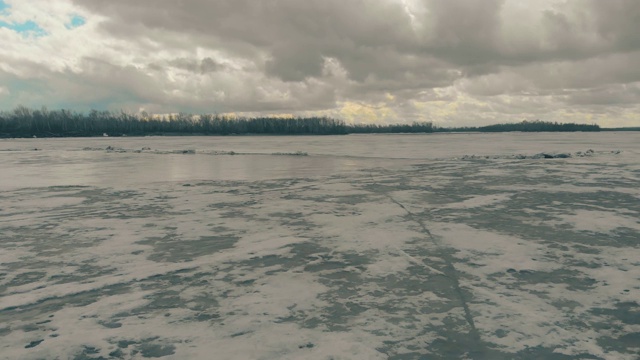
[[622, 129], [525, 126], [25, 122], [416, 127]]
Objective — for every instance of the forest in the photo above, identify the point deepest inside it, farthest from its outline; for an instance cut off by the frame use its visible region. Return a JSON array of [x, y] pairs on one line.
[[25, 122], [526, 126]]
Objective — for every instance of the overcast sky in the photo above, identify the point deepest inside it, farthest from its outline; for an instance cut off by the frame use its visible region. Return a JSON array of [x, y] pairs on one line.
[[454, 62]]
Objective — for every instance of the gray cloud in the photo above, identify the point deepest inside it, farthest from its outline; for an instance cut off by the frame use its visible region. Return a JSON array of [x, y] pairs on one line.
[[420, 59], [617, 21], [466, 31], [204, 66], [619, 95], [363, 34]]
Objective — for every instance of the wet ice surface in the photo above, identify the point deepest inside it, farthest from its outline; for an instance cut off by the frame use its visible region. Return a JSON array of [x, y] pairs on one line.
[[344, 253]]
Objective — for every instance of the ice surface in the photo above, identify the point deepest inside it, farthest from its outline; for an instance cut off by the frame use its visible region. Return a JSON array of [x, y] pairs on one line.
[[369, 247]]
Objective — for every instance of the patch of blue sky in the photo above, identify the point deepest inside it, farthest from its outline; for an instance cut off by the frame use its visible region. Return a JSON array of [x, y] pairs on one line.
[[76, 21], [3, 7], [26, 28]]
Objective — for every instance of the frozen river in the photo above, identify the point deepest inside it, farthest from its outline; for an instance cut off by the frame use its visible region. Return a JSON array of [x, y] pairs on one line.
[[439, 246]]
